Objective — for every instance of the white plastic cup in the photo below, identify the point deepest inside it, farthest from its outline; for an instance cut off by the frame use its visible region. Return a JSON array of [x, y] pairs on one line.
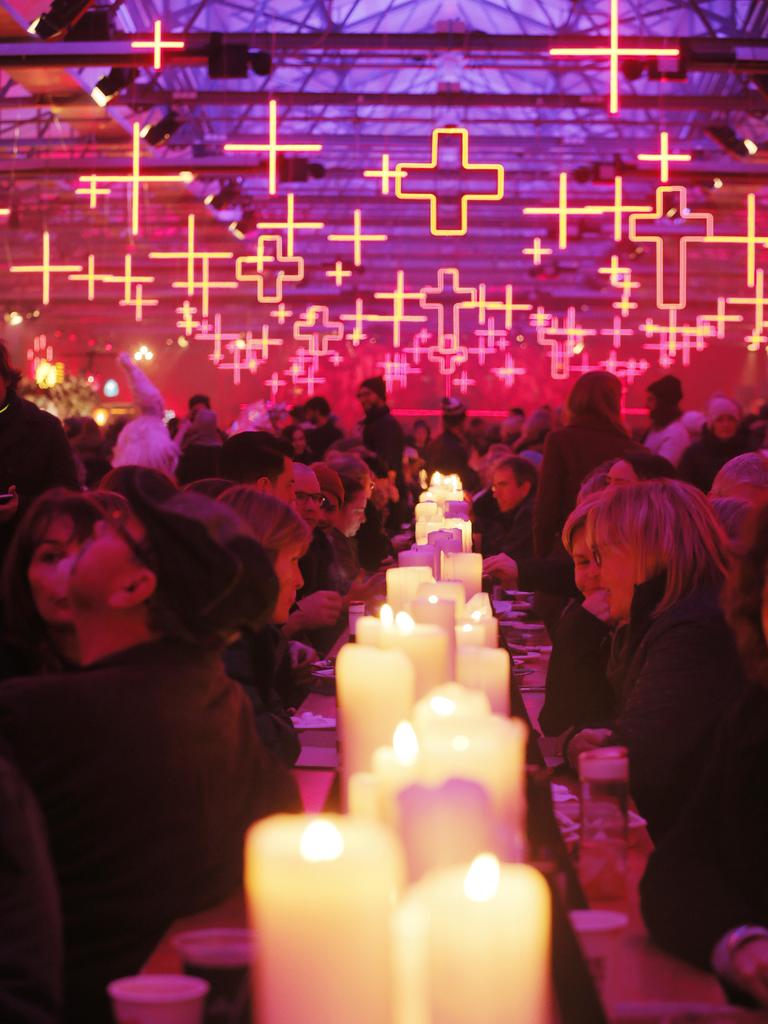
[[598, 932], [158, 999], [222, 957]]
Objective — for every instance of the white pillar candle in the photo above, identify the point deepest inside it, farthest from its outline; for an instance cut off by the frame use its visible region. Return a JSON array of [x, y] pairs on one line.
[[426, 496], [363, 796], [490, 750], [444, 540], [447, 706], [486, 669], [375, 691], [419, 554], [444, 825], [444, 590], [464, 566], [480, 936], [488, 624], [394, 769], [432, 611], [465, 527], [425, 646], [480, 602], [457, 509], [368, 631], [470, 634], [403, 584], [320, 893], [426, 510]]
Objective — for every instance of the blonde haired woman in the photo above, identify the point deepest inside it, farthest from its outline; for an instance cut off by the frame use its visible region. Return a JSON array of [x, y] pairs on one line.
[[662, 558]]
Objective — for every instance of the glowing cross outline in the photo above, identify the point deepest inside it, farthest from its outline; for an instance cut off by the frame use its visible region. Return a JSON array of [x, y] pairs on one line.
[[357, 237], [683, 241], [560, 352], [260, 259], [439, 289], [157, 45], [290, 224], [133, 180], [664, 157], [338, 273], [302, 330], [448, 348], [466, 197], [273, 148], [385, 174], [668, 348], [613, 52], [537, 251], [46, 268], [399, 317]]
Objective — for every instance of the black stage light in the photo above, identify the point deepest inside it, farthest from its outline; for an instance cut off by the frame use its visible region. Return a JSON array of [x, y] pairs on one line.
[[60, 17], [110, 85], [158, 134], [246, 225], [227, 196]]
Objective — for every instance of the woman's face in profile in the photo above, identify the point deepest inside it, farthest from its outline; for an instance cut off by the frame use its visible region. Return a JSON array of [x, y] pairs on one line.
[[49, 571]]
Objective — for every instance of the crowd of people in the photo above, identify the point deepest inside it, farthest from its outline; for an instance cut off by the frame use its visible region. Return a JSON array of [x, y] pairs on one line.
[[167, 587]]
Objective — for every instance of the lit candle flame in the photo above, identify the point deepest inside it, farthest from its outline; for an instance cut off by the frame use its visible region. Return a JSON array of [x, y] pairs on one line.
[[405, 744], [443, 706], [321, 841], [481, 883], [404, 623], [387, 616], [433, 599]]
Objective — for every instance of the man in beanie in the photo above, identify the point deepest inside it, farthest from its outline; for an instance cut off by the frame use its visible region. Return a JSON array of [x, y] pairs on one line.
[[722, 439], [382, 434], [667, 435], [449, 453], [145, 761]]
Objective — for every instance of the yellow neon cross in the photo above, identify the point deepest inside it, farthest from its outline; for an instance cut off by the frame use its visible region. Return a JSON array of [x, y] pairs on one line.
[[157, 45], [664, 157], [46, 268], [272, 148], [357, 238]]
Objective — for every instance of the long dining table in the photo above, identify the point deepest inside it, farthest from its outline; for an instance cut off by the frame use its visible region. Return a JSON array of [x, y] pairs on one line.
[[647, 985]]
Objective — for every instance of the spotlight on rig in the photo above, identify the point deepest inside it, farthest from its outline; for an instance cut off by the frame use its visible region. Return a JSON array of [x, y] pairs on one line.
[[110, 85], [159, 133]]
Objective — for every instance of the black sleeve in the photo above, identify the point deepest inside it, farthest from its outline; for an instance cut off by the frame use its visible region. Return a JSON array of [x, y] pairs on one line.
[[60, 468], [30, 937], [708, 875], [548, 576], [577, 689]]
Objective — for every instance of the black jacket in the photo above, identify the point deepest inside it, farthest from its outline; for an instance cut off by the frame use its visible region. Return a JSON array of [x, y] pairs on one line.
[[34, 455], [578, 691], [674, 676], [449, 453], [321, 438], [708, 875], [509, 532], [384, 436], [148, 770], [702, 461]]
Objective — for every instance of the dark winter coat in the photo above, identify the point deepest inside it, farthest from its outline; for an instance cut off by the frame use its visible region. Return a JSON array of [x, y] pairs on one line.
[[702, 461], [708, 874], [449, 453], [570, 454], [384, 436], [148, 769], [510, 533], [674, 676], [321, 438], [578, 691]]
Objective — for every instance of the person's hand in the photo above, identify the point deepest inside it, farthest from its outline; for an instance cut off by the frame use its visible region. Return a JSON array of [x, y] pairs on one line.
[[749, 969], [322, 608], [8, 509], [366, 590], [502, 569], [586, 739], [597, 604]]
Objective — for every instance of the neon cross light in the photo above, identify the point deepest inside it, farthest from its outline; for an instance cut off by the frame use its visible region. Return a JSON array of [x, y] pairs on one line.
[[675, 339], [134, 180], [760, 302], [489, 340], [664, 158], [399, 316], [419, 344], [614, 53], [357, 238], [272, 147], [192, 256], [617, 332], [617, 275], [157, 45], [186, 311], [128, 280], [316, 328], [507, 307], [385, 174], [751, 239], [508, 372], [281, 314], [448, 297], [463, 382], [91, 277], [218, 337], [450, 355], [563, 342], [290, 224], [721, 318], [338, 273], [46, 268], [536, 251], [271, 267], [563, 211], [139, 302], [625, 369], [396, 370], [474, 172], [273, 385], [677, 196]]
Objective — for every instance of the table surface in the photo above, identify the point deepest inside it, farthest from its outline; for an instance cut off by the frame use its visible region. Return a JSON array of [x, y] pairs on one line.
[[647, 984]]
